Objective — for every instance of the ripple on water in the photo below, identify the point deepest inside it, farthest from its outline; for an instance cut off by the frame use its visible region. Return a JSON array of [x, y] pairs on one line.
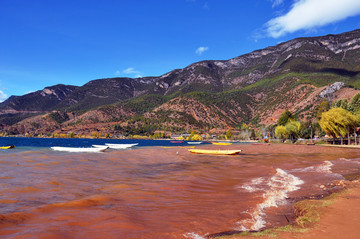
[[154, 192]]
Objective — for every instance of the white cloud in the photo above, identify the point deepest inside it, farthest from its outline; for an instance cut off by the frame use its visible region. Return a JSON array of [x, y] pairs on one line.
[[310, 14], [277, 3], [129, 71], [201, 50], [3, 96]]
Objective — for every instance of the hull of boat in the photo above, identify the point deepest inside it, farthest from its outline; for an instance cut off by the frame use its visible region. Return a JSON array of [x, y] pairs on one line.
[[120, 146], [215, 152], [7, 147], [80, 150], [219, 143], [195, 142]]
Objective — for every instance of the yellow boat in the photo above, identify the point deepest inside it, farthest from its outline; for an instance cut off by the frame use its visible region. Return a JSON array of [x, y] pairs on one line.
[[216, 152], [220, 143], [7, 147]]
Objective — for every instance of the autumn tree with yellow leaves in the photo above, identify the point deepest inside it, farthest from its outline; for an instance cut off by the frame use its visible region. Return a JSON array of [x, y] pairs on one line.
[[338, 122]]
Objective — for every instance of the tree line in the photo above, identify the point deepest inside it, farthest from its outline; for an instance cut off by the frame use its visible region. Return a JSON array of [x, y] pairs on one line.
[[339, 120]]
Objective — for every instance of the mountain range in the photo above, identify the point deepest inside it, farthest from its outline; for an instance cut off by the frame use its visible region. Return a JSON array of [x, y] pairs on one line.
[[254, 89]]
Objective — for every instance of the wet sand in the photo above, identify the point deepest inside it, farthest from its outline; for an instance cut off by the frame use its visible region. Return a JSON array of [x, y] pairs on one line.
[[161, 192], [339, 220]]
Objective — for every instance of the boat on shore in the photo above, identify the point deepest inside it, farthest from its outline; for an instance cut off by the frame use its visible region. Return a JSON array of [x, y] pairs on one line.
[[80, 150], [215, 152], [195, 142], [221, 143]]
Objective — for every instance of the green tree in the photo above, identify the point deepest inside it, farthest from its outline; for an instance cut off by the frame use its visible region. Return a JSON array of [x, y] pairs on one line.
[[228, 134], [285, 117], [197, 137], [192, 133], [252, 135], [281, 133], [308, 129], [244, 127], [271, 130], [323, 107], [342, 103], [354, 105], [293, 129], [337, 122]]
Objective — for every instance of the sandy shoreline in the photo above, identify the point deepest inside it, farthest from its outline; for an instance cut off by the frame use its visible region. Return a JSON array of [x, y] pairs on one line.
[[339, 217]]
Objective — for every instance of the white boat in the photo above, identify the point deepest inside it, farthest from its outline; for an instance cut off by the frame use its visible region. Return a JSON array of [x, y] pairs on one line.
[[120, 146], [81, 150], [195, 142]]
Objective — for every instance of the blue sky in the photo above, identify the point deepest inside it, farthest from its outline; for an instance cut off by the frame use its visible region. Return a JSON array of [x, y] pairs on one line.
[[47, 42]]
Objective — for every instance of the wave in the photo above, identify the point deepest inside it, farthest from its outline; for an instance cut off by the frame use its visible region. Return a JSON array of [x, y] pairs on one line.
[[192, 235], [325, 167], [253, 186], [279, 186]]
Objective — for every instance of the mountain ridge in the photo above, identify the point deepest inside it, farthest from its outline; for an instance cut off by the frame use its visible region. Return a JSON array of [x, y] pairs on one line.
[[245, 89]]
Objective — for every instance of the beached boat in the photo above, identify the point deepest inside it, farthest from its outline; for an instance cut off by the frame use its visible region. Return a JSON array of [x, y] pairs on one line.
[[7, 147], [195, 142], [81, 150], [216, 152], [118, 146], [221, 143]]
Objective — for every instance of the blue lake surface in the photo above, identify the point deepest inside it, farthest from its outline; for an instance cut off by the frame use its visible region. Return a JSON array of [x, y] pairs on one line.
[[26, 143]]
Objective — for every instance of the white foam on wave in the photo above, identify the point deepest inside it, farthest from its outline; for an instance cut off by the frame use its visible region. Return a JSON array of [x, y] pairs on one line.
[[344, 159], [280, 185], [192, 235], [355, 161], [253, 185], [325, 167]]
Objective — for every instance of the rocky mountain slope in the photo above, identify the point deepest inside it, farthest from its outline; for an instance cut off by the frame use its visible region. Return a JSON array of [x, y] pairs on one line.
[[253, 88]]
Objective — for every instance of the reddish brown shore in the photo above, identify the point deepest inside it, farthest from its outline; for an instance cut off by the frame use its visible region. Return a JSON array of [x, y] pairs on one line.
[[339, 220]]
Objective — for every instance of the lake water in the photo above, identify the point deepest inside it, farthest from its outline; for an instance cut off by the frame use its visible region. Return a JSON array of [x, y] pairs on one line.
[[156, 192]]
